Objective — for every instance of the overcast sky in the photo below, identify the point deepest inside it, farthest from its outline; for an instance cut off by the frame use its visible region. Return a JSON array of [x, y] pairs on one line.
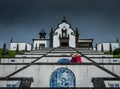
[[24, 19]]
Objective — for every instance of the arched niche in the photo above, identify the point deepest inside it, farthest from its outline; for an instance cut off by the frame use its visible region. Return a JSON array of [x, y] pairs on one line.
[[63, 61], [62, 77]]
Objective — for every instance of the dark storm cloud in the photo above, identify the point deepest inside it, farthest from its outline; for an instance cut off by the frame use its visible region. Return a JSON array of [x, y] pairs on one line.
[[13, 9], [92, 17]]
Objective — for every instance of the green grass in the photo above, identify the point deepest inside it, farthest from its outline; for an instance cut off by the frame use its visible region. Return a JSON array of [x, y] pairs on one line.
[[0, 52], [116, 56], [107, 52], [10, 53]]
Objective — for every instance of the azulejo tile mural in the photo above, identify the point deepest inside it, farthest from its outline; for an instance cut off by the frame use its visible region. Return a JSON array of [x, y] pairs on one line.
[[62, 77], [63, 61]]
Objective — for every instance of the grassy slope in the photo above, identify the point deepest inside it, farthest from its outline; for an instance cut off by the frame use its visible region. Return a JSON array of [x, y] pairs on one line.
[[10, 53], [116, 56], [0, 52]]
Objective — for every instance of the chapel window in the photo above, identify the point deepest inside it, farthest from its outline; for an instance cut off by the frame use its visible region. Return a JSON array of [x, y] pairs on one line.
[[114, 85], [41, 45], [64, 32]]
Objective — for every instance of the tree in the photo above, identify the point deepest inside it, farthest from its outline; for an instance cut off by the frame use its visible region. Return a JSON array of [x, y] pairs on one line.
[[36, 47], [4, 50], [17, 49], [102, 48], [39, 46], [51, 37], [25, 47], [32, 46], [116, 51], [117, 40], [96, 47], [11, 40], [110, 49]]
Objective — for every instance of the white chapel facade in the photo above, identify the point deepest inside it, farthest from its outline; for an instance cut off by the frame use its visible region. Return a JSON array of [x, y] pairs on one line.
[[63, 35]]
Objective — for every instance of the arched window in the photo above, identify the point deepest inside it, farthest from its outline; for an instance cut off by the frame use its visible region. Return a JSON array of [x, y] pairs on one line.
[[64, 33], [63, 61], [62, 77]]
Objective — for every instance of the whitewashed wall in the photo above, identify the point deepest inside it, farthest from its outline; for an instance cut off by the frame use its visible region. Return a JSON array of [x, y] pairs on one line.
[[17, 60], [56, 59], [3, 83], [106, 46], [7, 69], [42, 60], [13, 46], [113, 82], [106, 60], [83, 73], [25, 55], [56, 41], [41, 41], [98, 55]]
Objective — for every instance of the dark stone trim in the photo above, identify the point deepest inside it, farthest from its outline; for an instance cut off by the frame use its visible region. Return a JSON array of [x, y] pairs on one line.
[[58, 56], [64, 52], [59, 64], [40, 39], [104, 57], [108, 78], [55, 56], [31, 54], [20, 58], [85, 39], [16, 78], [25, 82], [57, 88], [99, 82]]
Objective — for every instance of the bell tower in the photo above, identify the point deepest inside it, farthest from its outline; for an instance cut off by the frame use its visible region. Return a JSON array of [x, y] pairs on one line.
[[42, 34]]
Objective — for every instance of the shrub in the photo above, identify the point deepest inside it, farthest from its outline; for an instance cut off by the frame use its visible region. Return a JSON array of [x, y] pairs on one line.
[[10, 53], [116, 51], [106, 52]]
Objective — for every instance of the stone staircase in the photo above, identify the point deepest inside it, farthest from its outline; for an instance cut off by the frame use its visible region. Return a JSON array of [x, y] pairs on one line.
[[62, 52]]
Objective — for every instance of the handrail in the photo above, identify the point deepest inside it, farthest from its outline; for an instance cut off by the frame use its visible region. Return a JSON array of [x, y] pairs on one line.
[[8, 76], [97, 65], [94, 63]]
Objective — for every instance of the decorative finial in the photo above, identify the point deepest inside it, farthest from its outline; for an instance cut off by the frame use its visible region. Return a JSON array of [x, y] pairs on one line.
[[42, 30], [76, 29], [117, 40], [64, 19], [51, 29], [11, 40]]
